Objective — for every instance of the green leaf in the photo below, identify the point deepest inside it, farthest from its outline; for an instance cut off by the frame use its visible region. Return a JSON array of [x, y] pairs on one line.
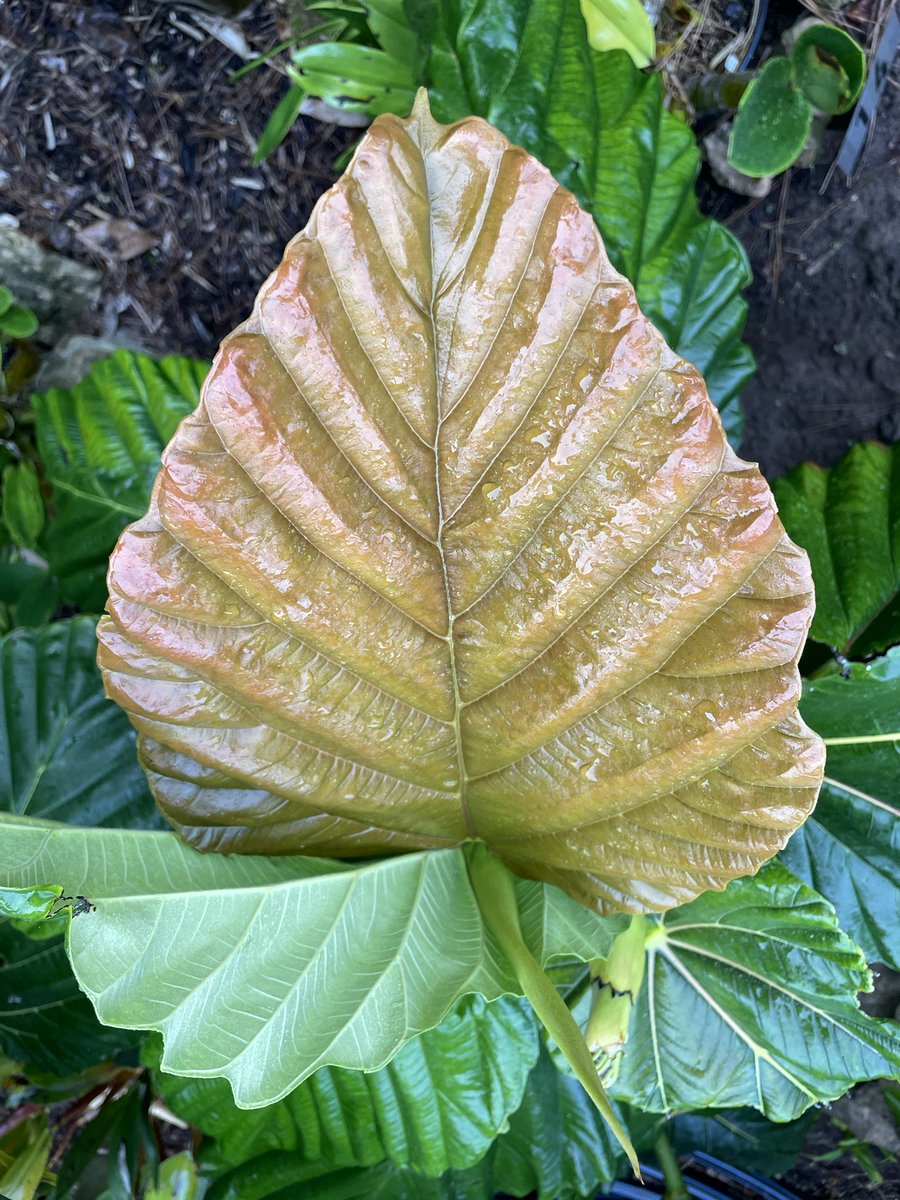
[[23, 504], [45, 1021], [601, 126], [6, 299], [848, 520], [772, 122], [354, 77], [750, 998], [263, 970], [557, 1147], [849, 849], [18, 322], [179, 1179], [829, 67], [65, 751], [30, 1144], [276, 1176], [100, 443], [438, 1104], [279, 124], [387, 21], [29, 594], [27, 904], [620, 25]]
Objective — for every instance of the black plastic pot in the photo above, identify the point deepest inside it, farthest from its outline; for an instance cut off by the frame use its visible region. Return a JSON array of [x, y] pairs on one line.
[[730, 1183]]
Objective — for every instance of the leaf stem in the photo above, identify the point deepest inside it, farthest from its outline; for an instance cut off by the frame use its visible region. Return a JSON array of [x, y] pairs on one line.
[[494, 889], [862, 739], [676, 1188]]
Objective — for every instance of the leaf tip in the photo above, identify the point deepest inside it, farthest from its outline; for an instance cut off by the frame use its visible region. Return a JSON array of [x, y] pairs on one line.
[[427, 129]]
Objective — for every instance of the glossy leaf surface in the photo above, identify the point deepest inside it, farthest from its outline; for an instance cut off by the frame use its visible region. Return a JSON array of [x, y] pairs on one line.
[[848, 519], [262, 970], [849, 849], [772, 122], [455, 548], [65, 752], [28, 904], [100, 443], [556, 1148], [439, 1104], [601, 126], [750, 998], [45, 1021], [620, 25]]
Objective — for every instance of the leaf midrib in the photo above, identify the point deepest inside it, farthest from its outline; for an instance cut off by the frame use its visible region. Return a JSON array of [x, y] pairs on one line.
[[451, 645]]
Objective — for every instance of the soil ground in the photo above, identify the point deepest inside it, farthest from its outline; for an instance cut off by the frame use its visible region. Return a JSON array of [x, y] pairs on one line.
[[127, 110], [145, 124], [824, 316]]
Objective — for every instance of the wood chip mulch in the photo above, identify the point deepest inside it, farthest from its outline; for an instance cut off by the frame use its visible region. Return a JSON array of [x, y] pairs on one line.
[[124, 143]]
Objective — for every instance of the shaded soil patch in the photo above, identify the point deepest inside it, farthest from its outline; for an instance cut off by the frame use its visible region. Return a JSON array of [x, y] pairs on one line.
[[824, 319], [128, 111]]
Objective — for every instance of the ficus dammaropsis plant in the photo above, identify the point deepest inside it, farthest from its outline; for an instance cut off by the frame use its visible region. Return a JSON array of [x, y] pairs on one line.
[[454, 628]]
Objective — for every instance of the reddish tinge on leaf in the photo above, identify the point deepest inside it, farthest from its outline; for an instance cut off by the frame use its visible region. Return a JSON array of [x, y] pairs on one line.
[[454, 547]]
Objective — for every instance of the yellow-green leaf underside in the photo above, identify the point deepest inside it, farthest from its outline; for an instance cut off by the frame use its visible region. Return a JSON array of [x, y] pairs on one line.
[[454, 547]]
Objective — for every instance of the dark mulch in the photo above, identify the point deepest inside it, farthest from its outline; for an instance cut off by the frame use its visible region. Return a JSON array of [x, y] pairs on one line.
[[149, 128]]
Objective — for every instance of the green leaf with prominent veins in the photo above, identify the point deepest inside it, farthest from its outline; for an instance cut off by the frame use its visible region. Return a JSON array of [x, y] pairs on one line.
[[439, 1104], [262, 970], [601, 126], [455, 548], [65, 752], [847, 518], [100, 443], [849, 849], [750, 998]]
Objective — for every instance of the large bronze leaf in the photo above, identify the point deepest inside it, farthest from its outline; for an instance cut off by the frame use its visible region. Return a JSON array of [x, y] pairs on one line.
[[454, 547]]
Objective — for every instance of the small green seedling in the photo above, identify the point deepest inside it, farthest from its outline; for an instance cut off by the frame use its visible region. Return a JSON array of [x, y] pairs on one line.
[[824, 73], [16, 321]]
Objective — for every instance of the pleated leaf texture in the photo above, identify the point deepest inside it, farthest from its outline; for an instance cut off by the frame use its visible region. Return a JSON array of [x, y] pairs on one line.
[[454, 547]]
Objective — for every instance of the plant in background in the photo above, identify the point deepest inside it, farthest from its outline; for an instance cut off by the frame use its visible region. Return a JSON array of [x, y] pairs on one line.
[[363, 64], [17, 324], [364, 59], [629, 162], [620, 25], [80, 471], [823, 74]]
